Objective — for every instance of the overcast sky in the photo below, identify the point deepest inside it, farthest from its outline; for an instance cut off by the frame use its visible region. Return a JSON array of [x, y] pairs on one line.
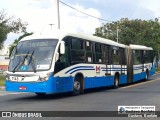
[[40, 13]]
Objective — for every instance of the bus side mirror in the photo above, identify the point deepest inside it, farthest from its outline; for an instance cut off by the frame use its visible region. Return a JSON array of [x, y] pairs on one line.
[[57, 56], [62, 47]]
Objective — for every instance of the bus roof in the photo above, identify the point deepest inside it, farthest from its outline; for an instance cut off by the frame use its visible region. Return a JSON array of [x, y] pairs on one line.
[[78, 35], [140, 47], [61, 34], [40, 36], [96, 39]]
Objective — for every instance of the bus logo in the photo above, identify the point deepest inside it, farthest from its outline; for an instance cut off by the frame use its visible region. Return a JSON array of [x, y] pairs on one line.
[[98, 69]]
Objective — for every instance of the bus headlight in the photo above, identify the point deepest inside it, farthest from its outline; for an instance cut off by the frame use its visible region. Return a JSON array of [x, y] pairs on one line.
[[44, 77], [8, 78]]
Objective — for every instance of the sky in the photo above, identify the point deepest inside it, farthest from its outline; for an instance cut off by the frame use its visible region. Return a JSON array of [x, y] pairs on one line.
[[39, 14]]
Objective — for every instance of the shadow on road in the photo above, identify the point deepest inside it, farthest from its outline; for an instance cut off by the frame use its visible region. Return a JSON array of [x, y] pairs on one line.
[[34, 97]]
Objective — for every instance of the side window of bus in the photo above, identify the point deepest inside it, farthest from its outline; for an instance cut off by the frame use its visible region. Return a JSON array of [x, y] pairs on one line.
[[147, 57], [122, 57], [77, 50], [88, 47], [98, 53], [106, 54], [115, 56], [136, 57]]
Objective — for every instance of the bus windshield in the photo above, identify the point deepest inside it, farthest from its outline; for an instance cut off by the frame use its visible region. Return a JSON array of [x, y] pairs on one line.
[[32, 55]]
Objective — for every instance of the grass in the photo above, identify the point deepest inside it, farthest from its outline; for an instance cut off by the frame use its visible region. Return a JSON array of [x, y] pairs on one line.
[[158, 69], [2, 80]]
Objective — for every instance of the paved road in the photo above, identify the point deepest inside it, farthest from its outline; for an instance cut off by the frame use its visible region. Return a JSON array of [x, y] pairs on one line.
[[144, 93]]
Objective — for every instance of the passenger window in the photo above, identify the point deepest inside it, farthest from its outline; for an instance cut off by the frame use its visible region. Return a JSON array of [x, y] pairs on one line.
[[77, 44], [88, 46], [106, 54], [98, 53], [78, 56], [89, 52], [77, 50], [115, 57], [137, 57], [98, 48]]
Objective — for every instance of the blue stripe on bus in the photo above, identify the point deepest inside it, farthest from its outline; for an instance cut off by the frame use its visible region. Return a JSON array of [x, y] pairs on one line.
[[79, 67]]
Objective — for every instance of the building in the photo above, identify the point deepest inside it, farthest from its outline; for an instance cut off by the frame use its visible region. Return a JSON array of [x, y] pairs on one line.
[[4, 58]]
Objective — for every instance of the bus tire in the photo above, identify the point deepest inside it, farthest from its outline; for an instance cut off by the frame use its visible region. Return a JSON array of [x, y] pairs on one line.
[[77, 86], [147, 75], [116, 81]]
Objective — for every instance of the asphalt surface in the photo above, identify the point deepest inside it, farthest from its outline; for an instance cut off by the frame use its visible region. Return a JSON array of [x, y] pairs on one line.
[[106, 99]]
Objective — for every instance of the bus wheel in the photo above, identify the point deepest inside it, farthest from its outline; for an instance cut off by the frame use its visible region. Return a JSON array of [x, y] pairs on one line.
[[77, 86], [116, 81]]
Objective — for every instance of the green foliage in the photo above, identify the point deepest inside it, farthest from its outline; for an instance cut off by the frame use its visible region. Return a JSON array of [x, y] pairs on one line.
[[17, 40], [2, 80], [158, 69], [9, 24], [141, 32]]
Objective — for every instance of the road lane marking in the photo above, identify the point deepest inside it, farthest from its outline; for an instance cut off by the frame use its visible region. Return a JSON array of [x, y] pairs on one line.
[[138, 84]]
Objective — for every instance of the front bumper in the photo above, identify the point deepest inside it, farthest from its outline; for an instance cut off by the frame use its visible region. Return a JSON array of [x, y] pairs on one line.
[[36, 87]]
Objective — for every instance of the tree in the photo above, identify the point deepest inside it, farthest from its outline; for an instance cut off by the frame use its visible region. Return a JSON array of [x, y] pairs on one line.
[[17, 40], [141, 32], [9, 24]]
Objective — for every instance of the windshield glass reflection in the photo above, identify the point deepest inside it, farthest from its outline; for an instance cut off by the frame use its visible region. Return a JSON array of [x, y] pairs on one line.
[[32, 55]]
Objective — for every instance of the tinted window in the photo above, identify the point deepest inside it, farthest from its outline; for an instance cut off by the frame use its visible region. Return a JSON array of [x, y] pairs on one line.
[[147, 56], [89, 57], [77, 50], [115, 56], [137, 57], [88, 46], [77, 44], [98, 53], [98, 48]]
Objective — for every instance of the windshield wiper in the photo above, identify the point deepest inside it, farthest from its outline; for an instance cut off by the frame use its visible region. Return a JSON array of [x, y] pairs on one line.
[[32, 62], [21, 63]]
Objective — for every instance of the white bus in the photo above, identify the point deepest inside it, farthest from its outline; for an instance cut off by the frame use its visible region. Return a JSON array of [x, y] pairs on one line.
[[75, 62]]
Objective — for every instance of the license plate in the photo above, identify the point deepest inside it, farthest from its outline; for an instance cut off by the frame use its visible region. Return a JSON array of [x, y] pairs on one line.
[[22, 88]]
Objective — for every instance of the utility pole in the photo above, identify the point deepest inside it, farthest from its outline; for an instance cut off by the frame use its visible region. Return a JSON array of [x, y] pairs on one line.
[[58, 14]]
